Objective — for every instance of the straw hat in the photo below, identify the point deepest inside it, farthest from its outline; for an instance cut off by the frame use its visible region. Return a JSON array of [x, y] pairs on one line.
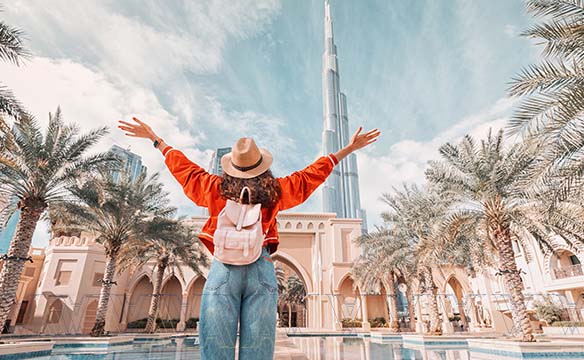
[[246, 160]]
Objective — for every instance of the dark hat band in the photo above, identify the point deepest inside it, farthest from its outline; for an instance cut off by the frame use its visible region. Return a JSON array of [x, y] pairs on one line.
[[248, 168]]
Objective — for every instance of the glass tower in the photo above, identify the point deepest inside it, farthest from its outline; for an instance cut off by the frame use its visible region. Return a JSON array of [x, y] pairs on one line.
[[130, 162], [341, 190]]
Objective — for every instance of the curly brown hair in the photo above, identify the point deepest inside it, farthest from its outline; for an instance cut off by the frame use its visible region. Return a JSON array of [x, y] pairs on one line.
[[265, 189]]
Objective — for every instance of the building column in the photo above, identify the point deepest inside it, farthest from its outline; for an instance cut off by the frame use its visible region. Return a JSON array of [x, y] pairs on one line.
[[337, 312], [364, 313], [447, 327], [571, 305], [125, 311], [182, 324], [473, 321], [420, 328]]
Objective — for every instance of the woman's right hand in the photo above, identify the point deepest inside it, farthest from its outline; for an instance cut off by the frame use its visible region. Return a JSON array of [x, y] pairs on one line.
[[138, 129]]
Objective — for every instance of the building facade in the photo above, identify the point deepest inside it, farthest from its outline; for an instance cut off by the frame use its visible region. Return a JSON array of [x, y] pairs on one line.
[[129, 161], [58, 293], [215, 163], [341, 190]]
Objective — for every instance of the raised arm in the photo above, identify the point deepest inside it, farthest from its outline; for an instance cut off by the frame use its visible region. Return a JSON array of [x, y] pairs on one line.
[[297, 187], [195, 181]]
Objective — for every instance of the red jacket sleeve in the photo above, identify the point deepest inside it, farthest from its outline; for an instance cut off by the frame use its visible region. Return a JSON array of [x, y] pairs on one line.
[[298, 186], [197, 183]]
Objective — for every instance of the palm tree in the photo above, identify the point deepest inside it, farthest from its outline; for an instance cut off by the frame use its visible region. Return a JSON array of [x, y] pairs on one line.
[[11, 50], [280, 276], [379, 264], [553, 96], [118, 211], [35, 171], [294, 294], [175, 247], [415, 215], [487, 182]]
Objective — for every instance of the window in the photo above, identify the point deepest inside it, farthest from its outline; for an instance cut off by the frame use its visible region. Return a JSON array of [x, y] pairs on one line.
[[574, 260], [63, 272], [29, 271], [345, 245], [63, 278], [97, 277], [55, 312], [21, 312]]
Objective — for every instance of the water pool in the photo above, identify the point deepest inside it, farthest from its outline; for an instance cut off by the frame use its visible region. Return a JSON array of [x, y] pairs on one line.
[[358, 348], [185, 348]]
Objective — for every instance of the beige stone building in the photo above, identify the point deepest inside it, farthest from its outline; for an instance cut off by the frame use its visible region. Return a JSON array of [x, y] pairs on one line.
[[59, 291]]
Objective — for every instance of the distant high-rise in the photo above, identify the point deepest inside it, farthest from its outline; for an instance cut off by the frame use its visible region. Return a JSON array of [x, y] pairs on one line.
[[341, 190], [7, 225], [130, 162], [215, 165]]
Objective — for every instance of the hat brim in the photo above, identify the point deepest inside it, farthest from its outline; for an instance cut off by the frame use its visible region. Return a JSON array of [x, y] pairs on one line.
[[228, 168]]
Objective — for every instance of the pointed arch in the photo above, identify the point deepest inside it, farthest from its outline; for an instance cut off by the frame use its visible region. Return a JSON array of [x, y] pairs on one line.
[[295, 265]]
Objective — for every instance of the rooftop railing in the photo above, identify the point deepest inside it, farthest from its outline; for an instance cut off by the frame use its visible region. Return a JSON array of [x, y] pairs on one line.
[[569, 271]]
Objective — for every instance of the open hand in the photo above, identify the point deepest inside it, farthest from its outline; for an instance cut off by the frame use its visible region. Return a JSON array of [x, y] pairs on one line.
[[359, 140], [138, 129]]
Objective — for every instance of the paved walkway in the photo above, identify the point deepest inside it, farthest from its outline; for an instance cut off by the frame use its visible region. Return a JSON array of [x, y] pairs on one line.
[[285, 348]]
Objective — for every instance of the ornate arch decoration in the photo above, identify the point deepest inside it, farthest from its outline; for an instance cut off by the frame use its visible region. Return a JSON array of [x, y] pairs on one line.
[[287, 258], [466, 289]]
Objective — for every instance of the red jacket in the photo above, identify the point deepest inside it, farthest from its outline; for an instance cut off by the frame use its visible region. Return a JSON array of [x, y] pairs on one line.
[[204, 189]]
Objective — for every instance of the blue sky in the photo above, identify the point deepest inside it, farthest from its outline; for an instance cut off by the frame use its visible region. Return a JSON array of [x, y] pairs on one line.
[[204, 73]]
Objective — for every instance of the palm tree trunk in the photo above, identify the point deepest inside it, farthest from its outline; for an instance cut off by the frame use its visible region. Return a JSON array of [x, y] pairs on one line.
[[289, 315], [514, 283], [411, 311], [104, 295], [17, 255], [155, 301], [431, 291], [392, 304]]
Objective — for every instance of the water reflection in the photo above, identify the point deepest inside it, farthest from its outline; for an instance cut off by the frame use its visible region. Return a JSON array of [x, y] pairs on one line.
[[356, 348]]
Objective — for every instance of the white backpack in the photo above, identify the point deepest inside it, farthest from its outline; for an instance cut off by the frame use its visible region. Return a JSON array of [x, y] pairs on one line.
[[239, 236]]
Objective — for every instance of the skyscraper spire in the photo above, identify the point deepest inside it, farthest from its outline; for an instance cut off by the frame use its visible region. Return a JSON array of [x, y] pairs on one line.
[[341, 190]]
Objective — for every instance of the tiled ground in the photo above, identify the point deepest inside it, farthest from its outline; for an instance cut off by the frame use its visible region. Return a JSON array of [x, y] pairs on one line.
[[285, 348]]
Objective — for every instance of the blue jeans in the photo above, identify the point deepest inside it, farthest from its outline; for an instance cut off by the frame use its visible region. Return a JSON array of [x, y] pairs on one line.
[[244, 293]]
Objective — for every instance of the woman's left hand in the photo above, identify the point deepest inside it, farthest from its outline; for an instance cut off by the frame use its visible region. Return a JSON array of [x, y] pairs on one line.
[[359, 140], [139, 129]]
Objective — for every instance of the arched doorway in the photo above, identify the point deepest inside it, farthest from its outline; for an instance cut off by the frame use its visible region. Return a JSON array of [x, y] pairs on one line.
[[194, 301], [349, 304], [377, 306], [140, 300], [89, 318], [170, 302], [454, 304], [58, 319], [291, 284], [565, 264]]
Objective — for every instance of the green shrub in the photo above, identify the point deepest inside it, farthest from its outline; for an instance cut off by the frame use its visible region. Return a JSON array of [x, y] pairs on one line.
[[568, 324], [548, 311], [138, 324], [378, 322], [192, 323], [350, 323], [160, 323]]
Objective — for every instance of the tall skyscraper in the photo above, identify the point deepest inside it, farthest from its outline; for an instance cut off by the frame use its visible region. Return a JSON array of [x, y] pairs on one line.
[[341, 190], [130, 162], [215, 165]]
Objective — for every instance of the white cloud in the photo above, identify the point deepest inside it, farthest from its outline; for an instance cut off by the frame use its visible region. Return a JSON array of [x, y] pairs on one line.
[[511, 30], [146, 43], [103, 61], [406, 161]]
